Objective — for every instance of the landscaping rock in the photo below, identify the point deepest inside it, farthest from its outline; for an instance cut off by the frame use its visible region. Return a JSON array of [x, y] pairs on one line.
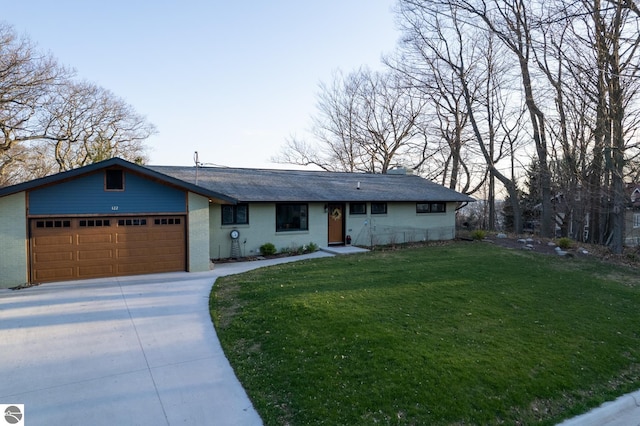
[[560, 252], [501, 235]]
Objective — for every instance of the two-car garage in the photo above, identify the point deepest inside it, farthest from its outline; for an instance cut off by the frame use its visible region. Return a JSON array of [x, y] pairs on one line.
[[68, 248], [108, 219]]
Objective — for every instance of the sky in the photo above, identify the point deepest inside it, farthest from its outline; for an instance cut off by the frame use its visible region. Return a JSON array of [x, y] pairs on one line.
[[229, 79]]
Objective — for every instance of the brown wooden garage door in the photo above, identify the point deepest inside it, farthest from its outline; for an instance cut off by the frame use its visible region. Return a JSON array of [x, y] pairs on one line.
[[80, 248]]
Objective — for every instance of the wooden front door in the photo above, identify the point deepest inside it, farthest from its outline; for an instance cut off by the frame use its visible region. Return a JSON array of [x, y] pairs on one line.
[[336, 223]]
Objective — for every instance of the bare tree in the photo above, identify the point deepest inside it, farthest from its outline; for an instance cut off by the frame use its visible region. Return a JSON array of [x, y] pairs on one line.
[[46, 118], [86, 123], [367, 122], [602, 58], [26, 78], [440, 46]]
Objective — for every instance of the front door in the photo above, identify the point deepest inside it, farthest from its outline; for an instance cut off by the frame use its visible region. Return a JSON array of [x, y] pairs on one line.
[[336, 223]]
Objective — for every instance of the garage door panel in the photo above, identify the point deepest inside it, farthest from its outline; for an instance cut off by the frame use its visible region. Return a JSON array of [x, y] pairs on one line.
[[95, 238], [53, 256], [53, 240], [132, 237], [116, 247], [168, 250], [134, 268], [54, 274], [170, 265], [167, 236], [103, 254], [95, 271]]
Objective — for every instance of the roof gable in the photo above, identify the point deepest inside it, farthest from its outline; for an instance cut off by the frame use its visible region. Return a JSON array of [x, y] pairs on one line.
[[110, 163]]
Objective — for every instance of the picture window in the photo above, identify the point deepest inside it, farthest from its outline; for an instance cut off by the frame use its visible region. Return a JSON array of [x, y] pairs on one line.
[[292, 217]]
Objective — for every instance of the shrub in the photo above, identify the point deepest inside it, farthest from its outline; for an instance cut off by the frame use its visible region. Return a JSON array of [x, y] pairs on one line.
[[286, 250], [268, 249], [478, 234], [564, 243], [292, 250], [312, 247]]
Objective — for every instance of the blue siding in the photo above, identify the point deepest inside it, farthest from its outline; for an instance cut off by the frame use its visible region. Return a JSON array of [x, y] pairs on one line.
[[86, 195]]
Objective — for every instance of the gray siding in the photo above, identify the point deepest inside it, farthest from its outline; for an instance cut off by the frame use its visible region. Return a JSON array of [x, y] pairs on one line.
[[13, 228], [198, 220]]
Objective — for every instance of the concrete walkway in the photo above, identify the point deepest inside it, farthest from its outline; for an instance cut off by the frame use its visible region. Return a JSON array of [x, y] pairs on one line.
[[624, 411], [138, 350]]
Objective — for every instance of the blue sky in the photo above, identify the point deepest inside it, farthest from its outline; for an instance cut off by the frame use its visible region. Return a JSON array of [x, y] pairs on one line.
[[229, 79]]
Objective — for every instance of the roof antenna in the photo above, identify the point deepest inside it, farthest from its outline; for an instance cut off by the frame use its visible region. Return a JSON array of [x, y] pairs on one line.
[[195, 158]]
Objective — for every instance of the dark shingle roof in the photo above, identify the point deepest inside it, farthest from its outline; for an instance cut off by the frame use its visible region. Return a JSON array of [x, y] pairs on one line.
[[261, 185]]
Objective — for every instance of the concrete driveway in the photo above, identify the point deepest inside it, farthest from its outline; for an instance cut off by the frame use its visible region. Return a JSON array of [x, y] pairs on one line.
[[137, 350]]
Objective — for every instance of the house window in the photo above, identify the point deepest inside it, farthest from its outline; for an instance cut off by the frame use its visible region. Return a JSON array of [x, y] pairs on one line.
[[53, 224], [357, 208], [167, 221], [378, 208], [292, 217], [114, 180], [636, 220], [132, 222], [431, 207], [91, 223], [235, 214]]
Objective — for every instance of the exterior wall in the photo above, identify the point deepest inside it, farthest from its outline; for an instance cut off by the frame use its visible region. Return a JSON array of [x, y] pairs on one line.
[[262, 229], [198, 237], [401, 224], [86, 195], [632, 234], [13, 238]]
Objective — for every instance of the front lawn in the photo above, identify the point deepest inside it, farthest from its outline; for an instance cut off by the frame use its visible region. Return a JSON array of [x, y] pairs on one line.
[[461, 333]]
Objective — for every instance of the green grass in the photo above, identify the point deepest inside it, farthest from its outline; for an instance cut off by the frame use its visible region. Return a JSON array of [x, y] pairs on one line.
[[464, 333]]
